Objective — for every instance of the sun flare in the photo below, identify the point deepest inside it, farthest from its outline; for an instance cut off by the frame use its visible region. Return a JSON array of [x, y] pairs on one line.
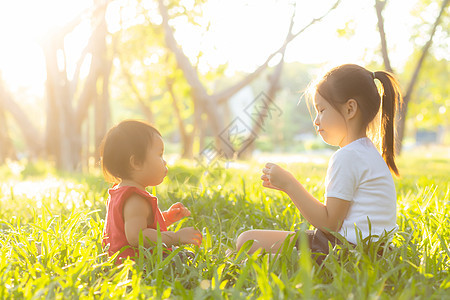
[[23, 26]]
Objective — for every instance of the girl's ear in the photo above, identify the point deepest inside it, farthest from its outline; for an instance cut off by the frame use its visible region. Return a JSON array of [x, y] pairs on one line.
[[351, 108]]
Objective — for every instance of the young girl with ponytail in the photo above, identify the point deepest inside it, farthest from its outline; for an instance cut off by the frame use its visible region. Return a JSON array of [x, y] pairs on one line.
[[359, 190]]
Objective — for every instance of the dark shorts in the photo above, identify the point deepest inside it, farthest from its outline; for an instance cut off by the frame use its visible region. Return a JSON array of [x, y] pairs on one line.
[[318, 242]]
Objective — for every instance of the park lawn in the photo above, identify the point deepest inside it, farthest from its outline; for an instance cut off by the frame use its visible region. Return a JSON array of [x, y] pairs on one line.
[[51, 226]]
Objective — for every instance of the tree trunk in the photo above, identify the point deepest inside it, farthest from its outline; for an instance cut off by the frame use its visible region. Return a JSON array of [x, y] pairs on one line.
[[199, 93], [63, 127], [102, 107], [403, 109], [187, 138], [202, 129], [249, 145], [274, 85], [86, 142], [379, 6], [6, 146], [263, 112], [32, 136], [60, 130]]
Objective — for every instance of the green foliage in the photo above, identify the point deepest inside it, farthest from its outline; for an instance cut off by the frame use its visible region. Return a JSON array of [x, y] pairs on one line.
[[50, 235], [347, 30], [429, 106], [147, 65]]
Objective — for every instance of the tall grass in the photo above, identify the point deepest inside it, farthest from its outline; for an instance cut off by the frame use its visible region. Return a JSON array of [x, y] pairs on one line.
[[51, 226]]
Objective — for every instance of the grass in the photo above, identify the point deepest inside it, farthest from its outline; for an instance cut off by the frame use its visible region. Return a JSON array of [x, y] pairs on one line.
[[51, 226]]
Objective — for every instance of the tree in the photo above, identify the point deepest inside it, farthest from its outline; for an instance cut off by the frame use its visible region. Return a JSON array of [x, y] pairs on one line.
[[430, 110], [149, 80], [33, 138], [262, 111], [206, 102], [68, 100], [7, 150], [67, 110], [408, 93]]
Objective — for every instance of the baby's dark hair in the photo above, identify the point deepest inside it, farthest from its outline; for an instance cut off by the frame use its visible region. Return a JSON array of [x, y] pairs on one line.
[[128, 138], [351, 81]]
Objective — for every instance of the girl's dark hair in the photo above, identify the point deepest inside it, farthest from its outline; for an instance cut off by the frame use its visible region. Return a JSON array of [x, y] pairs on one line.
[[128, 138], [355, 82]]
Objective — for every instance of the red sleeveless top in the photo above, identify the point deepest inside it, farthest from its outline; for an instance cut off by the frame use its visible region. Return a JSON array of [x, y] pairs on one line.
[[114, 231]]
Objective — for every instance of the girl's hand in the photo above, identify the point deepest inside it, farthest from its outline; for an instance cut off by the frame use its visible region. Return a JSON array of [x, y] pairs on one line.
[[189, 235], [275, 177], [176, 212]]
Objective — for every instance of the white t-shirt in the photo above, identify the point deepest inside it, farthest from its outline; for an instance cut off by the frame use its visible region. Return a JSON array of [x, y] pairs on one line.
[[358, 173]]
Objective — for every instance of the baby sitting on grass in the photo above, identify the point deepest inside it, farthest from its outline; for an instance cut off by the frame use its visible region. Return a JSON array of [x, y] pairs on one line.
[[132, 159]]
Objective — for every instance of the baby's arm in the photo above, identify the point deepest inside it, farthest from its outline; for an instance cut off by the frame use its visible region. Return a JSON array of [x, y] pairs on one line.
[[136, 212], [327, 217]]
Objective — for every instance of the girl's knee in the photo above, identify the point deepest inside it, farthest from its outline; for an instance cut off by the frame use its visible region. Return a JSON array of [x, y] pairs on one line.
[[244, 237]]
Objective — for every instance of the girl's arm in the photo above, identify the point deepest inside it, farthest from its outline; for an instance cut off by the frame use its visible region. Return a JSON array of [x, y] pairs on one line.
[[327, 217], [135, 213]]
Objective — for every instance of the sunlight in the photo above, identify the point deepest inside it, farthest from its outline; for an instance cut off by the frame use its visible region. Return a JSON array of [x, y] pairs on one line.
[[24, 25], [39, 191], [241, 34]]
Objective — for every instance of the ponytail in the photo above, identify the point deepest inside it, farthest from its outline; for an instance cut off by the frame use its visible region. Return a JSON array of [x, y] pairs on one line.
[[389, 100]]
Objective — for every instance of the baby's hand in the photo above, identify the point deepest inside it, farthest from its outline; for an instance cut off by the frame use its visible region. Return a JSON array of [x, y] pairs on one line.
[[176, 212], [275, 177], [189, 235]]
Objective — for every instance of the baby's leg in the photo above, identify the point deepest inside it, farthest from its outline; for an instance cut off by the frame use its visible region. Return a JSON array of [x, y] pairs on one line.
[[269, 240]]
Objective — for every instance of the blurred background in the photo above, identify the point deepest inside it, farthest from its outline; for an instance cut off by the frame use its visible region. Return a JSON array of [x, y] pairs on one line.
[[221, 80]]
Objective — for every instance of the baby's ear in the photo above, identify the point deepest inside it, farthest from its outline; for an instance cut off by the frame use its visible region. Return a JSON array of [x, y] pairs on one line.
[[134, 163], [351, 108]]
